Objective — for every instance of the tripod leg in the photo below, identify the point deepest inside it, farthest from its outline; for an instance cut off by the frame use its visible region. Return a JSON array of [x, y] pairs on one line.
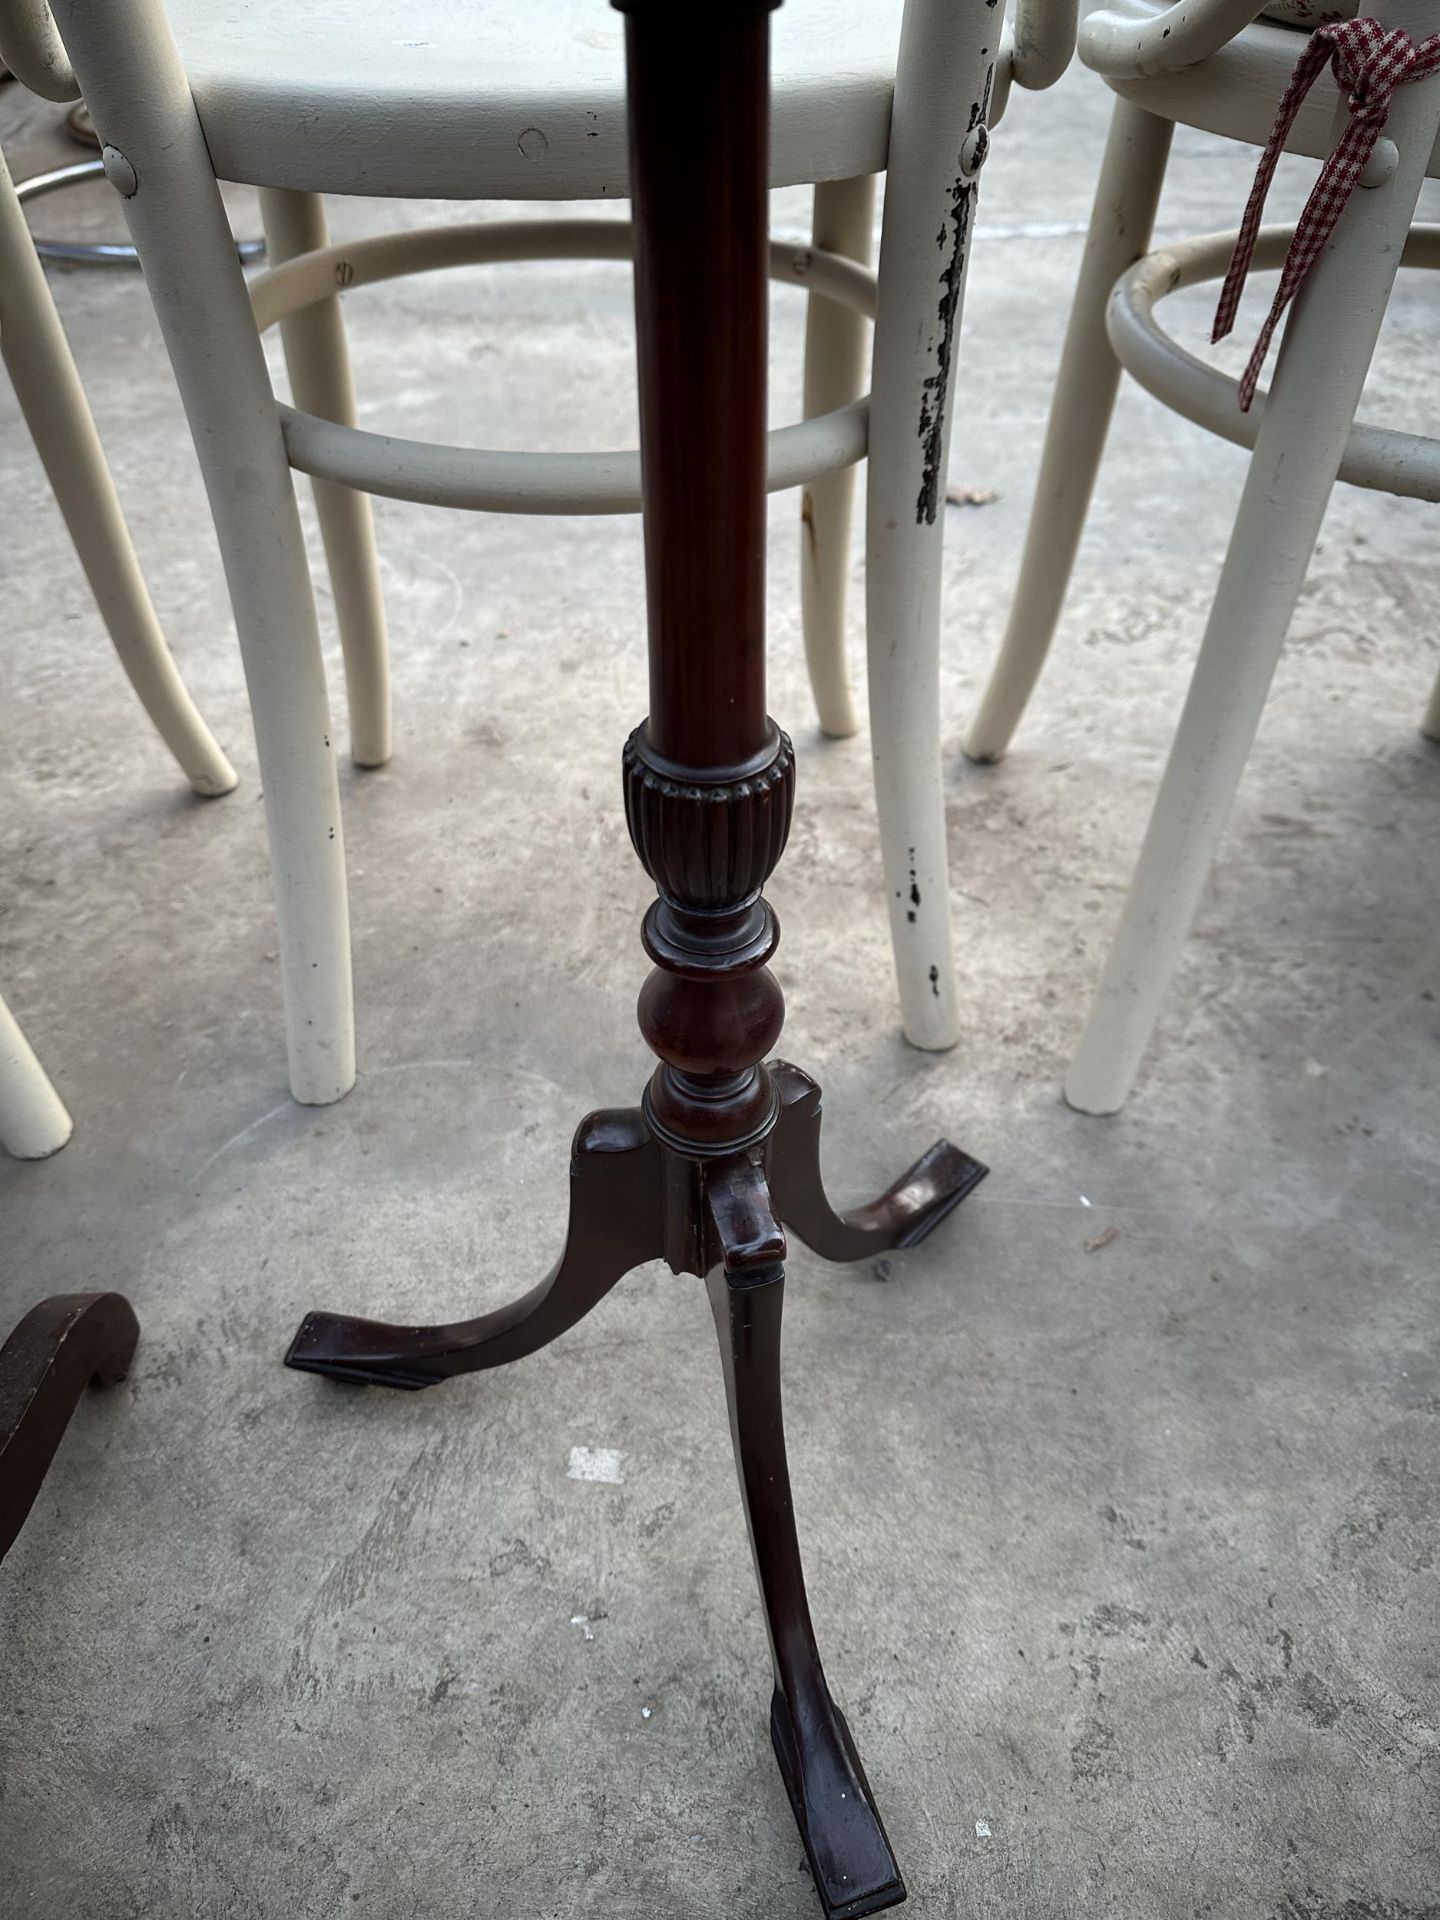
[[855, 1871], [918, 1201], [615, 1224], [46, 1364]]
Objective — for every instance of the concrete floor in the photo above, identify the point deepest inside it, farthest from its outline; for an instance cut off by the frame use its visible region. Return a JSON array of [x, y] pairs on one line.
[[1123, 1560]]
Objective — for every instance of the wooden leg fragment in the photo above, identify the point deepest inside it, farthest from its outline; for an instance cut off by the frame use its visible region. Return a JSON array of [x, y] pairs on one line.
[[45, 1366]]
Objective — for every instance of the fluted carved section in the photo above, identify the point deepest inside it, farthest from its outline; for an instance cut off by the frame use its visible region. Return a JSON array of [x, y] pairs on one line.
[[709, 844]]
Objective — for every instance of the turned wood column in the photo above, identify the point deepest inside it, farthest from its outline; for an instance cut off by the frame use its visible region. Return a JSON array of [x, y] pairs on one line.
[[699, 165], [723, 1154], [709, 778]]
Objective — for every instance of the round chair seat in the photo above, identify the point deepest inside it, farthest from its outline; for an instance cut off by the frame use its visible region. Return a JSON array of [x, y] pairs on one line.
[[1237, 91], [437, 100]]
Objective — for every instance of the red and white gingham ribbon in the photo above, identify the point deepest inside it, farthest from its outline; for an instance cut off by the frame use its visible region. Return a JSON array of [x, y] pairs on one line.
[[1370, 62]]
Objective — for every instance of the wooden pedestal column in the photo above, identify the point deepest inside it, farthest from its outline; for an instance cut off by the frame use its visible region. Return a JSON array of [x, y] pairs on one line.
[[723, 1152]]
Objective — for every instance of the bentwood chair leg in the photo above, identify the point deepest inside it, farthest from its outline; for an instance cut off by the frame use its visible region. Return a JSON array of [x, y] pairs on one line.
[[942, 89], [834, 375], [33, 1120], [38, 359], [1318, 380], [318, 360], [1120, 227], [138, 95], [1430, 725]]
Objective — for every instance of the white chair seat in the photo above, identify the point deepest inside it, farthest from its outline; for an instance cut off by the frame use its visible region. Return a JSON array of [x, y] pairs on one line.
[[440, 100], [1236, 92]]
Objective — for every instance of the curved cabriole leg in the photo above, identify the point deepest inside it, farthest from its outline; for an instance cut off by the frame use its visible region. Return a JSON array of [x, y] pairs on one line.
[[46, 1364], [903, 1215], [615, 1224], [850, 1857]]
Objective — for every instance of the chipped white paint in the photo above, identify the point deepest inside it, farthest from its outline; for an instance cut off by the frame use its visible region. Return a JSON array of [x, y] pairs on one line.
[[942, 91], [846, 107], [582, 1620], [645, 1712], [982, 1829], [597, 1463]]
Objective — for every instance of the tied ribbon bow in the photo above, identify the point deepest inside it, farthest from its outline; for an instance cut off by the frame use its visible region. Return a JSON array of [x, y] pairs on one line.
[[1370, 62]]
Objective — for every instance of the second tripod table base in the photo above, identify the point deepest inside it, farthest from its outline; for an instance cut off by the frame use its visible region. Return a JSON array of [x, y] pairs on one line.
[[633, 1198]]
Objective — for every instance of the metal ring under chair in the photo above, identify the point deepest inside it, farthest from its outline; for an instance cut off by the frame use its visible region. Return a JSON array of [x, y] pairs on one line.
[[94, 253], [1407, 464], [519, 482]]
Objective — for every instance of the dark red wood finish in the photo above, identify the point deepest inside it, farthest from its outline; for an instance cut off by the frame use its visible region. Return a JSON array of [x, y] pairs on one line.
[[724, 1151], [701, 294], [45, 1366]]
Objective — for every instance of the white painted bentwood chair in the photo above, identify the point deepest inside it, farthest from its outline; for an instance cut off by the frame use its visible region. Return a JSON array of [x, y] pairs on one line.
[[1202, 63], [47, 386], [33, 1119], [506, 101]]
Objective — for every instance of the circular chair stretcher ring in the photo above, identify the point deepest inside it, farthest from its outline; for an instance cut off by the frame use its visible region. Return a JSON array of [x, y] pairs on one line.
[[1383, 458], [493, 481], [93, 253]]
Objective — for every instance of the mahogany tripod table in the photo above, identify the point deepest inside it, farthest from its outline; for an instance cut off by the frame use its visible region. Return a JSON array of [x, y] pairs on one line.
[[722, 1154]]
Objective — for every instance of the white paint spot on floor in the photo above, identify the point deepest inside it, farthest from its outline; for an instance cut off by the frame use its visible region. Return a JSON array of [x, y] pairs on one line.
[[982, 1829], [597, 1463], [1084, 1202], [645, 1713], [582, 1620]]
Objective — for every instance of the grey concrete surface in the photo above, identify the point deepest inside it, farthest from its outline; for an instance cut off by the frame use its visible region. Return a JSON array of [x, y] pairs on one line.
[[1123, 1560]]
